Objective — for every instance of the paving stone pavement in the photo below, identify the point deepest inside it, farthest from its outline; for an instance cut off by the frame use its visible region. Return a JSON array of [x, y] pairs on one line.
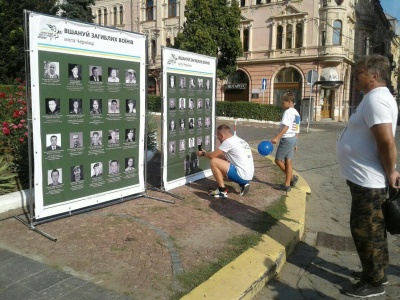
[[316, 269]]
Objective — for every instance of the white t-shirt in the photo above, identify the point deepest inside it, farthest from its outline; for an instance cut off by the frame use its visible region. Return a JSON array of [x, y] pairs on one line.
[[290, 118], [238, 153], [356, 148]]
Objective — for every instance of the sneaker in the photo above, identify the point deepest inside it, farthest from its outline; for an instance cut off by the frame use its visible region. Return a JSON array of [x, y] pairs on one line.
[[219, 194], [358, 275], [294, 180], [244, 189], [364, 290], [285, 188]]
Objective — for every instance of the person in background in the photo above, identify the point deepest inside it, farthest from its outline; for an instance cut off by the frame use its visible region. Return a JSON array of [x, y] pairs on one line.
[[366, 153], [288, 135]]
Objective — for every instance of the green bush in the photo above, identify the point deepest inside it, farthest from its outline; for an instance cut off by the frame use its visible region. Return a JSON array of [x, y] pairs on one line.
[[154, 103], [239, 109], [248, 110]]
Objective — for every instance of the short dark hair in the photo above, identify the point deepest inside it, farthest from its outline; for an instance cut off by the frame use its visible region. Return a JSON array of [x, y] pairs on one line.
[[288, 96]]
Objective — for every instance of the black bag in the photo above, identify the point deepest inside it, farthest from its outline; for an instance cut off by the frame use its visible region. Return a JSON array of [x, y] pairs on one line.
[[391, 211]]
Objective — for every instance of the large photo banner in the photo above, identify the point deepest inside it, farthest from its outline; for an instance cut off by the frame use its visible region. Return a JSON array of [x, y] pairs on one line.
[[188, 89], [88, 113]]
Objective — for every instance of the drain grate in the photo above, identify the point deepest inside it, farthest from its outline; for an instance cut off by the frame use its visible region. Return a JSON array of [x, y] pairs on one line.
[[335, 242]]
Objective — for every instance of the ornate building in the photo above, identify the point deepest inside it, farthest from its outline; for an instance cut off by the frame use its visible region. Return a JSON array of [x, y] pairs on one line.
[[283, 40]]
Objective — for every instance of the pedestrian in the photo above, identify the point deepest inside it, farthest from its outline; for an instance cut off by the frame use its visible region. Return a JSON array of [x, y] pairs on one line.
[[232, 159], [366, 153], [287, 136]]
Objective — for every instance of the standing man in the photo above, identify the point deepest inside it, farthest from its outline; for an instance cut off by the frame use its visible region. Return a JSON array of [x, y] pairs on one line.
[[232, 159], [366, 152], [288, 134]]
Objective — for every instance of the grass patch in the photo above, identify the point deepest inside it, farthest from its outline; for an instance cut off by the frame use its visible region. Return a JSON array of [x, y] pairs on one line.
[[234, 247]]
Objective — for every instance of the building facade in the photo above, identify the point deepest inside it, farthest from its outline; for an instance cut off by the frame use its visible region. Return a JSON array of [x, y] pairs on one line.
[[283, 41]]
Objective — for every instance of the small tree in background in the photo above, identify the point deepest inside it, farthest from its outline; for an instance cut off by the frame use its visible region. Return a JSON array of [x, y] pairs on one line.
[[78, 10], [211, 28], [12, 54]]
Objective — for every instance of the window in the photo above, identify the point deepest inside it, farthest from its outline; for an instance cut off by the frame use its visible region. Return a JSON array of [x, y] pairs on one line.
[[121, 15], [153, 49], [258, 2], [105, 16], [289, 31], [337, 33], [171, 8], [168, 42], [99, 17], [246, 40], [279, 36], [149, 10], [299, 35], [288, 75], [323, 38], [325, 3], [242, 3], [115, 15]]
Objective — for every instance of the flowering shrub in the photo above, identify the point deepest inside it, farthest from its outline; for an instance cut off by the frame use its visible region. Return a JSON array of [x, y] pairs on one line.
[[14, 129]]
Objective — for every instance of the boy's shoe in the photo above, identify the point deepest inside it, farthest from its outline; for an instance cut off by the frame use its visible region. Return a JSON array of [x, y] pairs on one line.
[[358, 275], [294, 180], [244, 189], [285, 188], [219, 194], [363, 289]]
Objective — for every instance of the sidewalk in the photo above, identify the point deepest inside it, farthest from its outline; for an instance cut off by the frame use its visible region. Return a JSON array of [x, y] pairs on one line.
[[32, 267], [136, 249]]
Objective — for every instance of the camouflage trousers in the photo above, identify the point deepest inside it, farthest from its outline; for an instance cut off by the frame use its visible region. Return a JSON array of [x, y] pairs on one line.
[[367, 227]]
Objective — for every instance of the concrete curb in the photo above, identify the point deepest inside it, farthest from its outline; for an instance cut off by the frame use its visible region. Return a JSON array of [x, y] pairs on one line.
[[244, 277]]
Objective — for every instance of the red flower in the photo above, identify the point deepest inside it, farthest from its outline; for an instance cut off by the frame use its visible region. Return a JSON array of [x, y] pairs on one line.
[[15, 127], [26, 133], [3, 95], [6, 131], [23, 121], [10, 102], [18, 79], [21, 113], [21, 140], [5, 124], [16, 114]]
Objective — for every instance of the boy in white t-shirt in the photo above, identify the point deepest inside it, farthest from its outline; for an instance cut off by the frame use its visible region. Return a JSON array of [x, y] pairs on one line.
[[288, 134]]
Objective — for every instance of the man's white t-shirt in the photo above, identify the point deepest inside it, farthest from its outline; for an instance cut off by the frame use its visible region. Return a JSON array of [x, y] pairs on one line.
[[290, 118], [238, 153], [356, 148]]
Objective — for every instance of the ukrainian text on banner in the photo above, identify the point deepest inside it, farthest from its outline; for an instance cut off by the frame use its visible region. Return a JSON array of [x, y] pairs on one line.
[[88, 113], [188, 86]]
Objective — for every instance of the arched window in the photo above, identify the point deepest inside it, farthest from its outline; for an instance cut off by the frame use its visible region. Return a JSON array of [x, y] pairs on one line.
[[149, 10], [287, 79], [121, 15], [99, 17], [289, 30], [115, 15], [299, 35], [246, 40], [105, 17], [279, 36], [168, 42], [171, 8], [337, 33]]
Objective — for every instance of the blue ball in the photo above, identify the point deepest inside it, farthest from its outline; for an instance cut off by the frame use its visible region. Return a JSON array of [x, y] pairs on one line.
[[265, 148]]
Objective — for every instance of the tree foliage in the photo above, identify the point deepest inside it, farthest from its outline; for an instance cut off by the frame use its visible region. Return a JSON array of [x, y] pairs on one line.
[[211, 28], [78, 10], [12, 57]]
